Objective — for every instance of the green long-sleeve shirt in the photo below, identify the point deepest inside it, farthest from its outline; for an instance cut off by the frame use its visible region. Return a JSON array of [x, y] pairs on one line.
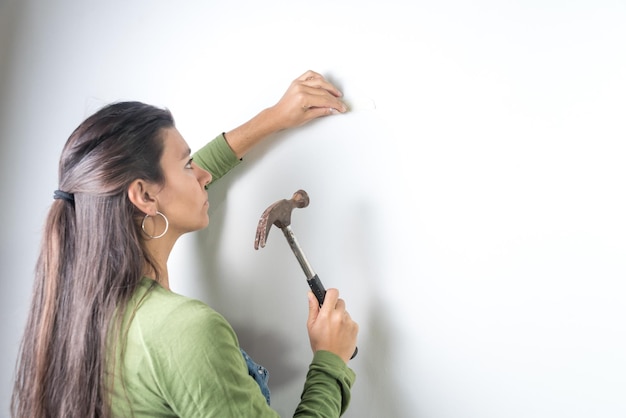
[[182, 359]]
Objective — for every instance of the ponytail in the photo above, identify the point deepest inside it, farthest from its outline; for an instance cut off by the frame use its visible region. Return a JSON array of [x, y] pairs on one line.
[[91, 260]]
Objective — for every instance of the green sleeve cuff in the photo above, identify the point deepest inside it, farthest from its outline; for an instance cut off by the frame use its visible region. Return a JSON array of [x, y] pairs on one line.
[[216, 157], [335, 366], [327, 387]]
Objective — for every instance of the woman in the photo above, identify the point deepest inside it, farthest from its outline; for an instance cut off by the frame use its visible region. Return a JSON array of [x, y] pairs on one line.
[[105, 335]]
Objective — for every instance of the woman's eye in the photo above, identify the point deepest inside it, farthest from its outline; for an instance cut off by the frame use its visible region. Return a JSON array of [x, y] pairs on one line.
[[188, 165]]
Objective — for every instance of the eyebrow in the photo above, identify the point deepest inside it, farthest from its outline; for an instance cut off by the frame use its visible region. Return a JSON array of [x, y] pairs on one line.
[[186, 154]]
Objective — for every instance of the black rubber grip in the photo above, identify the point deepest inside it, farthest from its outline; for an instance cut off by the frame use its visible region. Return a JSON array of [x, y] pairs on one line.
[[318, 289], [320, 293]]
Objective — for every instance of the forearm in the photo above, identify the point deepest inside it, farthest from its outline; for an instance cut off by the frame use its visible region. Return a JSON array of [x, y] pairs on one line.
[[246, 136], [326, 391]]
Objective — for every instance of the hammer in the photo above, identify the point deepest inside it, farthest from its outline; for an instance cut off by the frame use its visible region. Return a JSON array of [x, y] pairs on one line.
[[279, 214]]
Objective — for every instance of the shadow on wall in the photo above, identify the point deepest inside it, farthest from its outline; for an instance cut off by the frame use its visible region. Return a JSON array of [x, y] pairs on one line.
[[377, 391], [275, 351]]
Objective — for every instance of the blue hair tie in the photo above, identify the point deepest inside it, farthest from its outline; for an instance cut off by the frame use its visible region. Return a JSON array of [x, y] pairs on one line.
[[60, 194]]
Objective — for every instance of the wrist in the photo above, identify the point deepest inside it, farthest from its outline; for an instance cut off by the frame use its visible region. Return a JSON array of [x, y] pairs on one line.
[[270, 120]]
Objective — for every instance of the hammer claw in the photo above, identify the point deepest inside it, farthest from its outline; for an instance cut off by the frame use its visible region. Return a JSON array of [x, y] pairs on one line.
[[261, 233]]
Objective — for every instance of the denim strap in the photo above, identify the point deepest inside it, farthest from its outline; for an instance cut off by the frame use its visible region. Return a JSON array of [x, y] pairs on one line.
[[259, 374]]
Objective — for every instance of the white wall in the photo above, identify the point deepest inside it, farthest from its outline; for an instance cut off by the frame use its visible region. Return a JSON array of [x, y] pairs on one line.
[[474, 221]]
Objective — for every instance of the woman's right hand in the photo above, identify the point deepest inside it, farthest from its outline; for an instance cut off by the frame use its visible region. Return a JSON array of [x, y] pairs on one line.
[[330, 327]]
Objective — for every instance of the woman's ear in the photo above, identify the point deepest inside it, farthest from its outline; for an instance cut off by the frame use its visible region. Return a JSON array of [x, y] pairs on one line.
[[143, 195]]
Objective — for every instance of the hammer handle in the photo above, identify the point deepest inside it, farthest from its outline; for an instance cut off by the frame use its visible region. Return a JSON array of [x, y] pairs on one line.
[[320, 293]]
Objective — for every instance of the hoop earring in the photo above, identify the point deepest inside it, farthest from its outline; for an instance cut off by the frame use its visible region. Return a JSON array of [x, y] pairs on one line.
[[143, 226]]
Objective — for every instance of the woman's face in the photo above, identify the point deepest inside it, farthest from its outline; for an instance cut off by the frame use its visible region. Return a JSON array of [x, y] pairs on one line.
[[183, 199]]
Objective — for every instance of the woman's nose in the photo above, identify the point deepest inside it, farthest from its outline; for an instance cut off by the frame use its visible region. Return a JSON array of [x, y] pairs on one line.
[[204, 177]]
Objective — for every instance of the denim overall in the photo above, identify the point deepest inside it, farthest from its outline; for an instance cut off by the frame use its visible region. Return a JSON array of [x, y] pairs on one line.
[[259, 374]]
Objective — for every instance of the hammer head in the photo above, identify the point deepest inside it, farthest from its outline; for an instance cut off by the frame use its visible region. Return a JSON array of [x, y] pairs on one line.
[[279, 214]]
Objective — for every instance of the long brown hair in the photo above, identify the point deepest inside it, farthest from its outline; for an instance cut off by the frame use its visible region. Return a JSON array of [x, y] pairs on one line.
[[91, 260]]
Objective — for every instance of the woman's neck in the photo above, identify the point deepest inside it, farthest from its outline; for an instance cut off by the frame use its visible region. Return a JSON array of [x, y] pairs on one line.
[[161, 277], [159, 250]]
